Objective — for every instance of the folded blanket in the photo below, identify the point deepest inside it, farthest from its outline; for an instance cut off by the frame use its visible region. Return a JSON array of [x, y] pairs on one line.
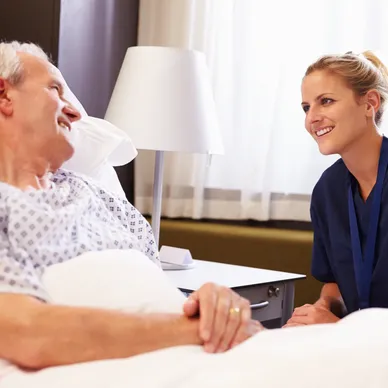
[[352, 353]]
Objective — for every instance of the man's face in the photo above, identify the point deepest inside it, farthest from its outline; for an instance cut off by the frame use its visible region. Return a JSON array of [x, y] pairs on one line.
[[40, 114]]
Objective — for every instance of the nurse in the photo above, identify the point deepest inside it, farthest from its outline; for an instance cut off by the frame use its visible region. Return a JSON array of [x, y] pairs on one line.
[[343, 99]]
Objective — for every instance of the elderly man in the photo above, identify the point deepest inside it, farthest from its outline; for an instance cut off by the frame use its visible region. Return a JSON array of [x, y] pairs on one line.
[[48, 216]]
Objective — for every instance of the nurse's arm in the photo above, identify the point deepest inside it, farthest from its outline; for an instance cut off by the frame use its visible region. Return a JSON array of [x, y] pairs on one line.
[[331, 299]]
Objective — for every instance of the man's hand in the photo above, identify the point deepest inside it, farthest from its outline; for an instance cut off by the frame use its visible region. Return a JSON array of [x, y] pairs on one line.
[[310, 315], [251, 329], [225, 317]]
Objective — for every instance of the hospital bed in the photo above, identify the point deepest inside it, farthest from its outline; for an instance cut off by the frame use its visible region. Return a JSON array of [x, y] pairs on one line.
[[352, 353]]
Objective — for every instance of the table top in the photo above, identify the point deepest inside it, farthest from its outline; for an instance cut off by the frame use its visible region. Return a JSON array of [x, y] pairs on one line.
[[227, 275]]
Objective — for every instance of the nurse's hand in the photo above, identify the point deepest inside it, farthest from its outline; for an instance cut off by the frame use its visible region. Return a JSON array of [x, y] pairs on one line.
[[224, 316], [310, 315]]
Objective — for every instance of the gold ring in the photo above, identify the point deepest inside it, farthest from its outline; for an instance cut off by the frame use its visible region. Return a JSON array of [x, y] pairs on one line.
[[234, 310]]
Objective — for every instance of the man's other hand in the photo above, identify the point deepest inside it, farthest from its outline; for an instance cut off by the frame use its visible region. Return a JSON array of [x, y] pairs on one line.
[[225, 317]]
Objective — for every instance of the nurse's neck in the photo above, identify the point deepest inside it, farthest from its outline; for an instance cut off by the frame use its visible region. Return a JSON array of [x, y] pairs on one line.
[[362, 160]]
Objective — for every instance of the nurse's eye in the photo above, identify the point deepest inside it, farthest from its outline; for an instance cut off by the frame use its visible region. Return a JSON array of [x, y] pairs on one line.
[[305, 108], [326, 101]]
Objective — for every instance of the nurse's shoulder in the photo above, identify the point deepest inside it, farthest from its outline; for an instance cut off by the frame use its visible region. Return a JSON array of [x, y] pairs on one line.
[[331, 185]]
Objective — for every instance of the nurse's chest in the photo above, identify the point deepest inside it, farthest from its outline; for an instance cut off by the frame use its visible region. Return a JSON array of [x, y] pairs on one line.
[[339, 244]]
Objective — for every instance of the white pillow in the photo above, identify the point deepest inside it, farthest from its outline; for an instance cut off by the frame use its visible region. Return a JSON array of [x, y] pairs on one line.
[[98, 145], [96, 141], [113, 279]]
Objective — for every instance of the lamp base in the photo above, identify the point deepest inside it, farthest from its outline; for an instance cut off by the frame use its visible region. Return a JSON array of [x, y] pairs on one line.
[[172, 258]]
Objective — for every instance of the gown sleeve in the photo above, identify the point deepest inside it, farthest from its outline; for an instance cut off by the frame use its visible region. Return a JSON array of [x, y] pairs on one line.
[[18, 275]]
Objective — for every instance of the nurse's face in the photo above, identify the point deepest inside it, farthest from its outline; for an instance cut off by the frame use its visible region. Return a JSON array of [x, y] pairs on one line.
[[335, 116]]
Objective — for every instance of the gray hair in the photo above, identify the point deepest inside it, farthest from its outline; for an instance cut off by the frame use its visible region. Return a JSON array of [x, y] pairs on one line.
[[11, 67]]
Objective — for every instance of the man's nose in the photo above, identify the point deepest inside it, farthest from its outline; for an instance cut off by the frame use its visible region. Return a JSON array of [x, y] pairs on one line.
[[71, 112]]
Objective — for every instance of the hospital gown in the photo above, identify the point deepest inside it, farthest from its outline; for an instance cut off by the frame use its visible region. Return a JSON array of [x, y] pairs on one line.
[[39, 228]]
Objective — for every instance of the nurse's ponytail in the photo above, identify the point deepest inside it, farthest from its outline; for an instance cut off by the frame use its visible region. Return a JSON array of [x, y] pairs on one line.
[[371, 57]]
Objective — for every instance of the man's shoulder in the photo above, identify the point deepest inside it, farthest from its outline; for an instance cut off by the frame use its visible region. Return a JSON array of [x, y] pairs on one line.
[[72, 177], [62, 174], [95, 187]]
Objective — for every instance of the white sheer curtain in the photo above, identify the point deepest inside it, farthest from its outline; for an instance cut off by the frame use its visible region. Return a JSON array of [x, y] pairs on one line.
[[257, 52]]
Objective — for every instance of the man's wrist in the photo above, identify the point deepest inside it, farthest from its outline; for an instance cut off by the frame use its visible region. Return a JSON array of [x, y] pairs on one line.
[[188, 331]]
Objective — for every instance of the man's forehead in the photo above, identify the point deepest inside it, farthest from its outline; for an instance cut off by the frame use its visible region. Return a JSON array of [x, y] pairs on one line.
[[57, 74], [36, 64]]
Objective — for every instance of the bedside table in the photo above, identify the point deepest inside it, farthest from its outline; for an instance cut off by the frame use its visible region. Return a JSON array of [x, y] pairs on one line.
[[271, 293]]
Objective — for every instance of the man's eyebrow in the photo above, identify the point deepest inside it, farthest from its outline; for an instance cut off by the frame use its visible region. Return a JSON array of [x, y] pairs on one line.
[[317, 98]]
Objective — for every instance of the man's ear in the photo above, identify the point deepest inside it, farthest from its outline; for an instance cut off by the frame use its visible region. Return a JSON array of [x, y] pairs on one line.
[[373, 102], [6, 107]]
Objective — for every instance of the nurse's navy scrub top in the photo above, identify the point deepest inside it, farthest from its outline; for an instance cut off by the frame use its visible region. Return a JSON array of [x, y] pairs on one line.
[[332, 249]]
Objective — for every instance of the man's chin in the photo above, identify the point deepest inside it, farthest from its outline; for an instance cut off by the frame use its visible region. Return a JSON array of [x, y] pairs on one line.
[[70, 153], [62, 156]]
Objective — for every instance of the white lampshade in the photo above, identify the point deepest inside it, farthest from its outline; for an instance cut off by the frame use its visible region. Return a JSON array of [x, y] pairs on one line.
[[163, 100]]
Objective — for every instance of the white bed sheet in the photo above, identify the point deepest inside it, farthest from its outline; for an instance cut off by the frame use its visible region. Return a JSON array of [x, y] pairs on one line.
[[353, 353]]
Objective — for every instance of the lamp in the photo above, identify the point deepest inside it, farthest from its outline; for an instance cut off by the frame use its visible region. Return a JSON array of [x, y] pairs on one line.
[[163, 100]]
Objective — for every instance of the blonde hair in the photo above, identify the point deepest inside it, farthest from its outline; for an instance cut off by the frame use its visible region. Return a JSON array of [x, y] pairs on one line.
[[362, 72], [11, 67]]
